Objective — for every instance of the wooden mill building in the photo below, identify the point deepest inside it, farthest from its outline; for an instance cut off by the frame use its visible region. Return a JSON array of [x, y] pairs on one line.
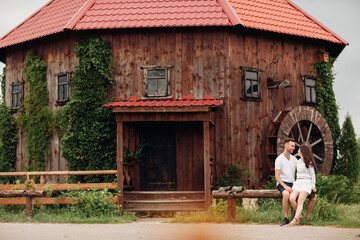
[[207, 82]]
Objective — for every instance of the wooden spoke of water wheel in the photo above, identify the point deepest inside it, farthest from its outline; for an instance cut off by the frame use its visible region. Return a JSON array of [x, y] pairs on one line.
[[305, 124]]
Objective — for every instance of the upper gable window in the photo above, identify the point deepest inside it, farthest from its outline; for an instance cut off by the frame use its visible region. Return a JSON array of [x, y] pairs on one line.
[[251, 83], [156, 81], [310, 94], [63, 88], [16, 95]]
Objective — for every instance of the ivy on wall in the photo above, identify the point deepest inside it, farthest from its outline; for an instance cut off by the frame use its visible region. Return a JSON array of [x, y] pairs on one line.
[[8, 133], [35, 118], [89, 130], [326, 101]]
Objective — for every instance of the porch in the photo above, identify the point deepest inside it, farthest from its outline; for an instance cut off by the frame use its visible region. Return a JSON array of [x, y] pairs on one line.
[[181, 175]]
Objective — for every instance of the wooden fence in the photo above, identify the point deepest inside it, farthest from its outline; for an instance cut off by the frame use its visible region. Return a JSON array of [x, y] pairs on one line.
[[60, 186]]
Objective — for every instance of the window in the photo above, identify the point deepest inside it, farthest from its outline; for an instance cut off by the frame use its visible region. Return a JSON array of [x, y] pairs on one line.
[[63, 86], [16, 95], [310, 94], [156, 81], [251, 83]]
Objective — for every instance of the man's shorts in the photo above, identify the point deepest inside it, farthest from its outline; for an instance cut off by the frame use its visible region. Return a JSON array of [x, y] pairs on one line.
[[281, 188]]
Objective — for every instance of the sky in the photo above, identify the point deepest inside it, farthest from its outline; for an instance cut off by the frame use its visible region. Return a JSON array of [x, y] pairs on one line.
[[342, 17]]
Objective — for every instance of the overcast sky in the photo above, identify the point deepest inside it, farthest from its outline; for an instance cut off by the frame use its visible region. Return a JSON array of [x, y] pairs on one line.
[[342, 17]]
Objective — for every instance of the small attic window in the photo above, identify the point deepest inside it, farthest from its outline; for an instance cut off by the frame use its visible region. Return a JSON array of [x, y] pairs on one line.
[[156, 81], [251, 83], [310, 93]]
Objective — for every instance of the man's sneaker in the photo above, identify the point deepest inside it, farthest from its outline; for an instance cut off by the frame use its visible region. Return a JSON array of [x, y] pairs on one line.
[[285, 222]]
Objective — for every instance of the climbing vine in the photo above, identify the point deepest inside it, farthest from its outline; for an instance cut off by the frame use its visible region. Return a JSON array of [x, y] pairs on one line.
[[8, 133], [326, 101], [36, 119], [89, 130]]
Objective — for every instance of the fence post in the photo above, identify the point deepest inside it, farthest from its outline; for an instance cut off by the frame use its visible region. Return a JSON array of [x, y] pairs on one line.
[[28, 207], [231, 208]]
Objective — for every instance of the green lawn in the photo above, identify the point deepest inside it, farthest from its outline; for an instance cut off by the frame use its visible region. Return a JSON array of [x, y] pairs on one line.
[[270, 211]]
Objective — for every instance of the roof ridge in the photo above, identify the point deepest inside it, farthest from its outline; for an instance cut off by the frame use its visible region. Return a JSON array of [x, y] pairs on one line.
[[31, 16], [230, 12], [317, 22], [79, 14]]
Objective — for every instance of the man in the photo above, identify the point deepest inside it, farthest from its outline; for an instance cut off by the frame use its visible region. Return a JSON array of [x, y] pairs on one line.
[[285, 167]]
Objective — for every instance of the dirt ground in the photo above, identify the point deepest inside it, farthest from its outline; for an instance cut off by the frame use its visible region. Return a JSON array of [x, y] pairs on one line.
[[156, 229]]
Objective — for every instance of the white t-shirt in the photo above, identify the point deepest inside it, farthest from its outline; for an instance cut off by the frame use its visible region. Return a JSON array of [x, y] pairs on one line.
[[287, 168]]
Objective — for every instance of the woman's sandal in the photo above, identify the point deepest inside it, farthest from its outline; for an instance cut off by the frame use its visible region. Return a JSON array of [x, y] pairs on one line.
[[295, 221]]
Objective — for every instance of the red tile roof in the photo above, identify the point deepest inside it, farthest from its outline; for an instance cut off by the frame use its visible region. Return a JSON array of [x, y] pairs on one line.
[[186, 101], [154, 13], [281, 16], [49, 19]]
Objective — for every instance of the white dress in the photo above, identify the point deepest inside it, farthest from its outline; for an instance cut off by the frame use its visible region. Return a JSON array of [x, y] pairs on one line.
[[305, 178]]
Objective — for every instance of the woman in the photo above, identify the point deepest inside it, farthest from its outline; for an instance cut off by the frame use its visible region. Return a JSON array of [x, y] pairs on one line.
[[305, 182]]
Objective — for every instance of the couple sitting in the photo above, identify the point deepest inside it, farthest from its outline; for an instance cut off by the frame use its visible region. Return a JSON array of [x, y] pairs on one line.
[[304, 186]]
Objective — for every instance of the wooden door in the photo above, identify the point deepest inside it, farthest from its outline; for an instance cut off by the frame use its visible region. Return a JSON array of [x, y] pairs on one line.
[[158, 161]]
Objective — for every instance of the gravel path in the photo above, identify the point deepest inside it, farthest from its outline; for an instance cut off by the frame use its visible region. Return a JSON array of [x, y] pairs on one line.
[[156, 229]]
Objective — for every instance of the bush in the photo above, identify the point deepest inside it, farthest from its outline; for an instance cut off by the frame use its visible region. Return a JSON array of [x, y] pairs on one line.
[[236, 176], [92, 203], [337, 187], [324, 210]]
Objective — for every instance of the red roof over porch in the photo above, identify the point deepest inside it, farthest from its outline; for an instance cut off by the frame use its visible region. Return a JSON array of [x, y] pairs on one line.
[[187, 103]]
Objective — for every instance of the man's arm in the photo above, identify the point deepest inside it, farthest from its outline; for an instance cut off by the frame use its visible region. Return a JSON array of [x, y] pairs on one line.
[[278, 179]]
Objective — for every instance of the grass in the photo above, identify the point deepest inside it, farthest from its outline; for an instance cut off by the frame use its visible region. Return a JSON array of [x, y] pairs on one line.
[[270, 212], [59, 215]]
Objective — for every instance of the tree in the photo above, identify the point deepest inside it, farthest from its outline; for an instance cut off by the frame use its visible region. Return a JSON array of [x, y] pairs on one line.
[[348, 163]]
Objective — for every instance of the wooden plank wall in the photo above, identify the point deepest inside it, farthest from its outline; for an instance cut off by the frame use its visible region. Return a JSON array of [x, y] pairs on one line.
[[205, 61]]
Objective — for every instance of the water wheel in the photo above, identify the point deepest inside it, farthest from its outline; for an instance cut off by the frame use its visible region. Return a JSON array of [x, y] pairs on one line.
[[304, 124]]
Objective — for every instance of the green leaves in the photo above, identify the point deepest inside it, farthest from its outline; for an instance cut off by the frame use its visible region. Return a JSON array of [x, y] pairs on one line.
[[348, 163], [8, 134], [326, 100], [35, 118], [89, 130]]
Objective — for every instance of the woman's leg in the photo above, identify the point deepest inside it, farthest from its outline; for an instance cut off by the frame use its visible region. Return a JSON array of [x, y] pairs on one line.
[[300, 204], [292, 199]]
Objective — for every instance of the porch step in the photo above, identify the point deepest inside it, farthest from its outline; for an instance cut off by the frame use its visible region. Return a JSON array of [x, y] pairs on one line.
[[146, 201], [169, 195]]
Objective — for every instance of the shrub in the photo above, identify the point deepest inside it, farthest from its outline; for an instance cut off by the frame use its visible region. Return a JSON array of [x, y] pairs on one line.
[[236, 176], [339, 187], [324, 210], [92, 203]]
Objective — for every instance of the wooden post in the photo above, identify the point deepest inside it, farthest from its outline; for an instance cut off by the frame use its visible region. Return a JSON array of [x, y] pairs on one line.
[[206, 137], [28, 207], [42, 179], [119, 160], [231, 208]]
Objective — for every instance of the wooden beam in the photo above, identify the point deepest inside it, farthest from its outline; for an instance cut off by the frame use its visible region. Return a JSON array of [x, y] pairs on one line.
[[58, 173], [22, 193], [207, 168], [161, 109], [64, 186], [165, 117], [120, 173], [265, 193]]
